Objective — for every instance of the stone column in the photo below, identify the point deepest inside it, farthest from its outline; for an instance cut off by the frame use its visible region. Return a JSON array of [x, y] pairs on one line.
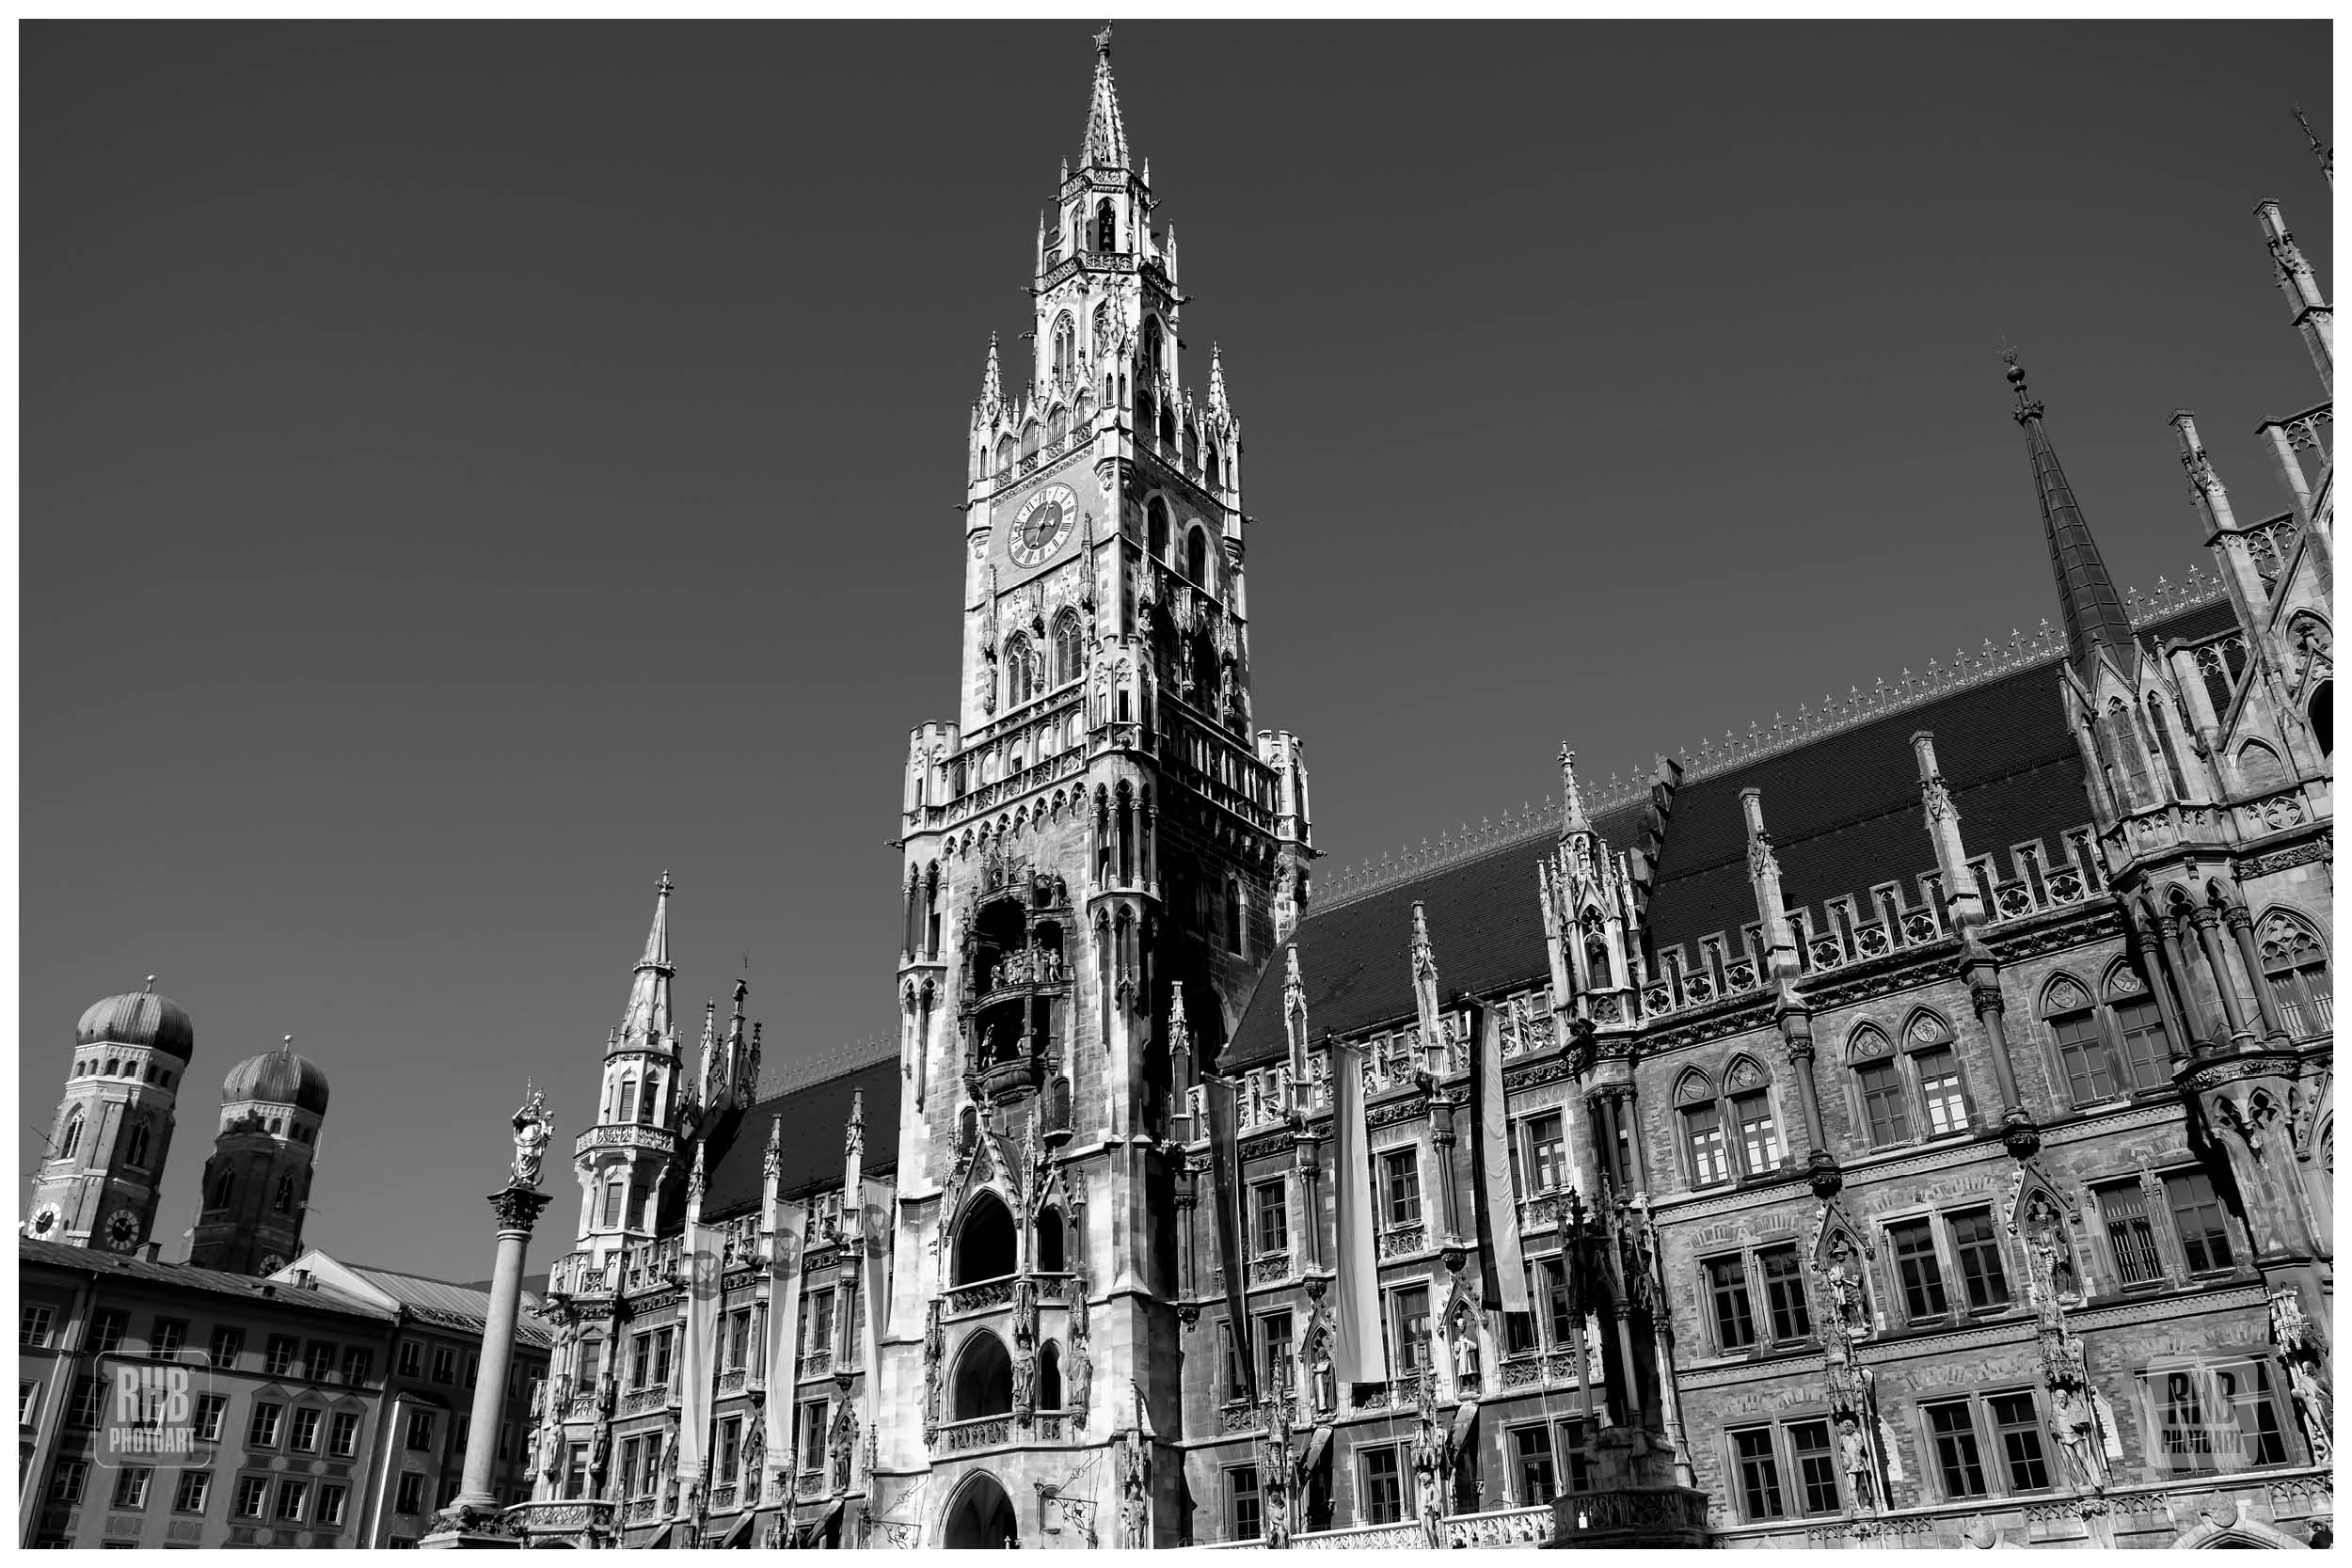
[[2208, 924], [518, 1209], [2241, 926]]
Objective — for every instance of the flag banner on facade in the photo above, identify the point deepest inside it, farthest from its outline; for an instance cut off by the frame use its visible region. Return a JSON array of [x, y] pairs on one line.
[[1225, 1177], [1499, 1258], [876, 1202], [698, 1268], [1356, 1352], [784, 1329]]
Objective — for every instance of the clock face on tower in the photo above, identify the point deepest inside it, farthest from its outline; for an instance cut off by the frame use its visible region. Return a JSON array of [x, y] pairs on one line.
[[1043, 523], [122, 1231]]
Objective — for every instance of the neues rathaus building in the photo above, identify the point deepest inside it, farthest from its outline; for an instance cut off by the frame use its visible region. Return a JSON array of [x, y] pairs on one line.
[[1912, 1125]]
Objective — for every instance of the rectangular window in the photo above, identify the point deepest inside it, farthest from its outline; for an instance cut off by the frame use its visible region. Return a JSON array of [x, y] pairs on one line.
[[1547, 1154], [2147, 1049], [357, 1365], [473, 1370], [2017, 1428], [318, 1363], [130, 1485], [1759, 1473], [107, 1330], [1978, 1245], [193, 1493], [87, 1399], [411, 1358], [333, 1498], [36, 1329], [1939, 1090], [1555, 1298], [1272, 1204], [2247, 1390], [2131, 1235], [1883, 1107], [284, 1351], [212, 1414], [817, 1326], [1816, 1469], [2091, 1075], [1242, 1519], [1727, 1287], [421, 1429], [739, 1339], [640, 1360], [1409, 1321], [1531, 1464], [445, 1366], [343, 1435], [1400, 1177], [1759, 1139], [631, 1449], [591, 1363], [1784, 1292], [1921, 1273], [165, 1342], [305, 1437], [1954, 1435], [28, 1401], [1274, 1336], [263, 1431], [410, 1498], [292, 1494], [661, 1345], [1383, 1495], [730, 1449], [252, 1495], [1703, 1134], [2199, 1220], [576, 1471], [228, 1345], [813, 1419], [66, 1479]]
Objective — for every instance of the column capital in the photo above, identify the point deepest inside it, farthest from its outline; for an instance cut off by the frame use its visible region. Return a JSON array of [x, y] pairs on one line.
[[518, 1209]]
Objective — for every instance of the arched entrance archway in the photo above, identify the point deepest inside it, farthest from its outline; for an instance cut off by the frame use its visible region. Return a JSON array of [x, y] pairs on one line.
[[986, 1242], [981, 1516]]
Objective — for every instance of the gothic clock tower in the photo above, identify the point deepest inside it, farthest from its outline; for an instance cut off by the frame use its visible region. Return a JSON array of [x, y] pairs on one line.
[[1101, 856]]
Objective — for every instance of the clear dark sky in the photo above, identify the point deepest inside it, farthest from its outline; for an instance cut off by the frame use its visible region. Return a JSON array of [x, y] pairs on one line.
[[469, 469]]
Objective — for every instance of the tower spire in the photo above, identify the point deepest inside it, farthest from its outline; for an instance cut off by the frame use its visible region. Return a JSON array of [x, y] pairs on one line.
[[991, 379], [2093, 610], [647, 1016], [1572, 818], [1106, 144]]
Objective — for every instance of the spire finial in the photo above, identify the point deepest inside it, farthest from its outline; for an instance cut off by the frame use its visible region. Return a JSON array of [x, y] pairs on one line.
[[2094, 613], [1572, 798], [1102, 47], [285, 1047], [991, 379], [2326, 154], [150, 985], [1106, 133]]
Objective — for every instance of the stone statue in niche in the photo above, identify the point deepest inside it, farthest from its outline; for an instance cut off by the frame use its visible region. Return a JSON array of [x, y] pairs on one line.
[[531, 1132]]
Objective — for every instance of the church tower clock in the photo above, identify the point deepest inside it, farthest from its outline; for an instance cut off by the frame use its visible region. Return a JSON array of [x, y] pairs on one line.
[[1101, 857]]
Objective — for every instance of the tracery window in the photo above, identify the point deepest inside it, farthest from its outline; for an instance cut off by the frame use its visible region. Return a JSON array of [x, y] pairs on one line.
[[1155, 347], [1069, 654], [2164, 740], [1702, 1130], [1155, 528], [1065, 349], [71, 1143], [1105, 227], [1197, 555], [1057, 426], [1021, 682], [2221, 664], [2296, 967], [2112, 1049]]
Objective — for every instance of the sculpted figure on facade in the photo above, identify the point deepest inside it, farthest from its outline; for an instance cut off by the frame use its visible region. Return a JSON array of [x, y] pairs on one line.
[[531, 1132]]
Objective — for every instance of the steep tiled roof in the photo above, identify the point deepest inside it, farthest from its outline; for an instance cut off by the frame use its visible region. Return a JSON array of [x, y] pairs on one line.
[[1843, 809], [107, 1265], [814, 1118]]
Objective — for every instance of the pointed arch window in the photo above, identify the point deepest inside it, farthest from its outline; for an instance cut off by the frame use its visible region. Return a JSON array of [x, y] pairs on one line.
[[1197, 555], [1208, 462], [223, 1188], [1030, 436], [1879, 1080], [1068, 653], [1155, 350], [984, 1243], [1105, 227], [1057, 426], [1709, 1158], [2295, 964], [1168, 427], [1233, 916], [2109, 1050], [1049, 1376], [1084, 416], [137, 1152], [1935, 1066], [284, 1203], [1155, 528], [2323, 712], [1050, 1240], [2127, 755], [1004, 455], [1102, 330], [1065, 349], [70, 1141], [1020, 669]]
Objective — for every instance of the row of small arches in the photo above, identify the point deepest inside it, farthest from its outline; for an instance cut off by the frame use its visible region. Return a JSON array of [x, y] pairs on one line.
[[117, 1068]]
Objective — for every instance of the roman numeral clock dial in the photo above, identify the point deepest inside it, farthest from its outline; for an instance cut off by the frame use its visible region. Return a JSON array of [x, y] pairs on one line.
[[1042, 524]]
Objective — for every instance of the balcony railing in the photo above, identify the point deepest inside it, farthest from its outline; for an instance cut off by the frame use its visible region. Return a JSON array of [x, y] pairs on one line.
[[627, 1136], [981, 1297], [566, 1515], [987, 1431]]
